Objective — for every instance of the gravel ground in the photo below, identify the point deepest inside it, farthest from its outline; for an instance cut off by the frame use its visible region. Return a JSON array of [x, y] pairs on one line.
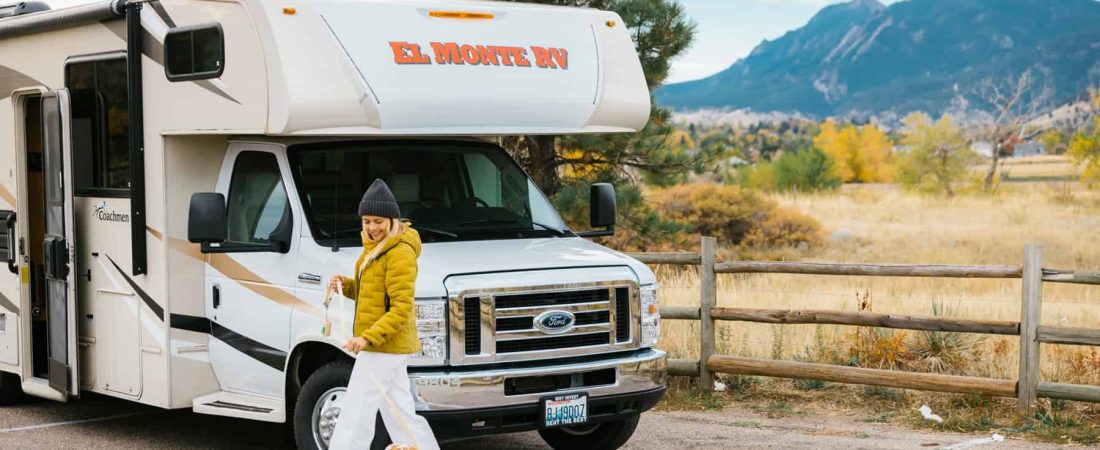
[[102, 422]]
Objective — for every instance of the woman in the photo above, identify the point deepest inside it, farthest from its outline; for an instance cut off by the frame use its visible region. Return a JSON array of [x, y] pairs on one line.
[[385, 329]]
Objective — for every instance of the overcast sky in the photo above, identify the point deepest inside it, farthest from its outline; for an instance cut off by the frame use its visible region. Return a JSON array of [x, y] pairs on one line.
[[728, 29]]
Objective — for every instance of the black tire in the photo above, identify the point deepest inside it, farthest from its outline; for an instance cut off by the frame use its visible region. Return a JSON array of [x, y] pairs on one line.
[[333, 375], [601, 436], [11, 389]]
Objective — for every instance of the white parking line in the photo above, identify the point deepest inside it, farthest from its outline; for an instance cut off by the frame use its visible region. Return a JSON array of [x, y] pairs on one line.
[[74, 422]]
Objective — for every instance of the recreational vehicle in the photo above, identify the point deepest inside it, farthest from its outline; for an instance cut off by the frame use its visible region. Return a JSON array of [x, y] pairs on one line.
[[178, 178]]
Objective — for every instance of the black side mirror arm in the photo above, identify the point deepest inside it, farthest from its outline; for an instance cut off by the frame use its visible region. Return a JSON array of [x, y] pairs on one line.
[[609, 231]]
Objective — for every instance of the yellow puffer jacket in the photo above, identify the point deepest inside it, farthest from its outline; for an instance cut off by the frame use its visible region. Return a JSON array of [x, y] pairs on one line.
[[392, 276]]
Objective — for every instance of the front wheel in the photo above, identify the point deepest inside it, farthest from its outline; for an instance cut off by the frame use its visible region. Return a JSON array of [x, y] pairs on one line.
[[318, 408], [599, 436]]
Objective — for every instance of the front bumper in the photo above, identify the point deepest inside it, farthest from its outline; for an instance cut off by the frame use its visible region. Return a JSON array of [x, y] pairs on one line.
[[514, 419], [505, 398]]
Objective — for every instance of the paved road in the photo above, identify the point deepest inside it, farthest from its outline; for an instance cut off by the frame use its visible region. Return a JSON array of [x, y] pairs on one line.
[[102, 422]]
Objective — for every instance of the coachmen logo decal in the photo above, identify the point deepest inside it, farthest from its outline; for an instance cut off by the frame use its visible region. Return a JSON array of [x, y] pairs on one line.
[[101, 213], [555, 322]]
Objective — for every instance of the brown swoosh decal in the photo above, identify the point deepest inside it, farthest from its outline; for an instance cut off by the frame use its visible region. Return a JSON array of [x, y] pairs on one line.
[[8, 305], [6, 196], [186, 248], [250, 280], [253, 282], [156, 234]]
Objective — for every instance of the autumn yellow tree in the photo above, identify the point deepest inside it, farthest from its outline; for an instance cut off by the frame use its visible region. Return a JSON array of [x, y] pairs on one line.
[[1085, 147], [936, 155], [861, 154]]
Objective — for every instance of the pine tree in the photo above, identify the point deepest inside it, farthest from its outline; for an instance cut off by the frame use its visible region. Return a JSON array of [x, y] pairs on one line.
[[660, 30]]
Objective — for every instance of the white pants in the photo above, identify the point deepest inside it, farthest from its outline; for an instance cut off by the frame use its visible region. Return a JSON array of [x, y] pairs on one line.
[[363, 400]]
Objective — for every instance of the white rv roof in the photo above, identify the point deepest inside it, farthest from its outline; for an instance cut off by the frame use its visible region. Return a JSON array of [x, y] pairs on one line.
[[442, 67]]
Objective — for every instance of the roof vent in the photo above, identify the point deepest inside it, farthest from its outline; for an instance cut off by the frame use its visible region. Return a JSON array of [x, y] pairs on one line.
[[21, 8]]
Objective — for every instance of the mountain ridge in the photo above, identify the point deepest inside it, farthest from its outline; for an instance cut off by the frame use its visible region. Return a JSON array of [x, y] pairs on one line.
[[862, 58]]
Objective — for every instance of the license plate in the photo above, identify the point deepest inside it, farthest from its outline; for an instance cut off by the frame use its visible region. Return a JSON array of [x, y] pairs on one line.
[[562, 410]]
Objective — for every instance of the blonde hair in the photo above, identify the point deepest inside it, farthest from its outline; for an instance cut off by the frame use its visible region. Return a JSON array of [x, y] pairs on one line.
[[396, 227]]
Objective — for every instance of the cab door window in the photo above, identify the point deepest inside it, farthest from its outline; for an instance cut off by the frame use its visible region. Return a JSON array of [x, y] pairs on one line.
[[257, 208]]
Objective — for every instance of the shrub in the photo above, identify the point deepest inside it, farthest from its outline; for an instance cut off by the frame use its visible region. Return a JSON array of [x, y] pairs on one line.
[[784, 227], [941, 351], [726, 212], [737, 216], [760, 176], [807, 169]]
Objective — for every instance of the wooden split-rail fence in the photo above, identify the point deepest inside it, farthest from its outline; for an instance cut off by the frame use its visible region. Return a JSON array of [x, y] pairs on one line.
[[1026, 389]]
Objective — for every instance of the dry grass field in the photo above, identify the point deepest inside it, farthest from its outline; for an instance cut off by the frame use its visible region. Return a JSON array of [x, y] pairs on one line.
[[1038, 167], [887, 225]]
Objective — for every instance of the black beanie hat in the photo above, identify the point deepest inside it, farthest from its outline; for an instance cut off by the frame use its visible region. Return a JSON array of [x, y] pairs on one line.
[[379, 201]]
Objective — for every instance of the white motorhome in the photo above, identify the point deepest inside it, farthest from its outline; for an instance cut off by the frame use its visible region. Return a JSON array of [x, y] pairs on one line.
[[178, 177]]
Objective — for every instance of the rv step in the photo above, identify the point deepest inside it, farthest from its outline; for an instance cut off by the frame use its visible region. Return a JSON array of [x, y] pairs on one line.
[[240, 405]]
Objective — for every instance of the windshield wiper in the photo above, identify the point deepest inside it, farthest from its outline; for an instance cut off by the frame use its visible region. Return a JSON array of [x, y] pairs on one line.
[[557, 232], [436, 231]]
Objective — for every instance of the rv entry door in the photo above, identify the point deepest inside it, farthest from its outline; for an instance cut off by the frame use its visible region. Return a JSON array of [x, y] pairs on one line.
[[58, 245]]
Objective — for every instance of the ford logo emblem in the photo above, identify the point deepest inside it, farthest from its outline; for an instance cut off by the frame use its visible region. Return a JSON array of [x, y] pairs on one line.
[[555, 322]]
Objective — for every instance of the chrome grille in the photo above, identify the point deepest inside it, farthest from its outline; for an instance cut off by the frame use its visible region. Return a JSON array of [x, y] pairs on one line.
[[536, 344], [472, 325], [500, 324], [593, 306]]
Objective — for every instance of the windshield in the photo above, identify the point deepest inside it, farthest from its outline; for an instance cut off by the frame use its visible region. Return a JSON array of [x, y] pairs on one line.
[[450, 191]]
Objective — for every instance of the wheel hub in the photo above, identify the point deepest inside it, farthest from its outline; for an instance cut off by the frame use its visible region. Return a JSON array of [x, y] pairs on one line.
[[325, 414]]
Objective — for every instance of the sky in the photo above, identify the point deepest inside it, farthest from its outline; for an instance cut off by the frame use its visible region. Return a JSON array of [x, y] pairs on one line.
[[727, 29]]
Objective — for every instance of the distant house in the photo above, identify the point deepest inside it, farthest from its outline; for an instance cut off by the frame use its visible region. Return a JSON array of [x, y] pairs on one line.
[[735, 161], [1029, 149]]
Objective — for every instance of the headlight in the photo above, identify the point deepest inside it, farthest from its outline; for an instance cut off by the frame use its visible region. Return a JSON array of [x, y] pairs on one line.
[[651, 316], [431, 326]]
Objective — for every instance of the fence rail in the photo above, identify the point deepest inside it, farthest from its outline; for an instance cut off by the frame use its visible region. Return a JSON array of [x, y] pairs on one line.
[[1026, 389]]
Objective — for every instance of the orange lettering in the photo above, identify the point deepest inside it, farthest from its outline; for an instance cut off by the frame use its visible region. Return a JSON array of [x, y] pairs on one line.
[[483, 55], [561, 56], [447, 53], [401, 53], [542, 57], [488, 56], [419, 56], [504, 55], [520, 55], [471, 55]]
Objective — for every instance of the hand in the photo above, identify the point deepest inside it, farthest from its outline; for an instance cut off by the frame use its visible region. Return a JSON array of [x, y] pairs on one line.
[[335, 281], [356, 344]]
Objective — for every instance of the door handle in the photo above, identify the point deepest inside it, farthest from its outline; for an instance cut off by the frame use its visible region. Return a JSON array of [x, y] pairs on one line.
[[57, 258], [217, 296]]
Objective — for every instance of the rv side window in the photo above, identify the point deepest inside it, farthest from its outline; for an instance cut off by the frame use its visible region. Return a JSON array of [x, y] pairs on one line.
[[194, 53], [257, 202], [100, 128]]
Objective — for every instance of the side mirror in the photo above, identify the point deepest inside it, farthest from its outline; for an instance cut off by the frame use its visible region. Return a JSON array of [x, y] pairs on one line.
[[206, 218], [603, 210]]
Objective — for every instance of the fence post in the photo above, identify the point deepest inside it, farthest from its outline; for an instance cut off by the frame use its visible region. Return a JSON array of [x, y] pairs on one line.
[[1029, 323], [708, 300]]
